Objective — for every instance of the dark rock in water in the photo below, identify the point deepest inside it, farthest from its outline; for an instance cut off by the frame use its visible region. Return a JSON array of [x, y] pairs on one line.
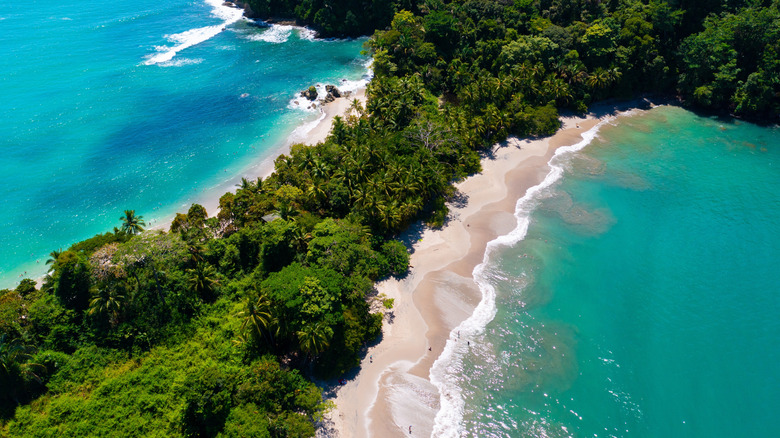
[[310, 94], [332, 91]]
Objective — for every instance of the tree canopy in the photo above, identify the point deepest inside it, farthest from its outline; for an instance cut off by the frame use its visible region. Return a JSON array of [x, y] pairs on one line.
[[215, 327]]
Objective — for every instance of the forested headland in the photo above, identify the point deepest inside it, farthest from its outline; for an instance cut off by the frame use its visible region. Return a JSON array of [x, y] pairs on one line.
[[216, 327]]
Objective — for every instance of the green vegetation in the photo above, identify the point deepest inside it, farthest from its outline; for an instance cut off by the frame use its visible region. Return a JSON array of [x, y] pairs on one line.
[[207, 330], [510, 63], [212, 329]]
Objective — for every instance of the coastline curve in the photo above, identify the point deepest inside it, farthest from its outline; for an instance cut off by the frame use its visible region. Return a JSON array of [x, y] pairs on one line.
[[443, 372]]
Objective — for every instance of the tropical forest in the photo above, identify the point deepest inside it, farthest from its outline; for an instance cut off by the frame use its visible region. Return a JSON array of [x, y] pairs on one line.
[[222, 324]]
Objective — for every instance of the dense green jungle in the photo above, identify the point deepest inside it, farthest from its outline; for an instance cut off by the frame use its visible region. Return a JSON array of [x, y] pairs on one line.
[[218, 326]]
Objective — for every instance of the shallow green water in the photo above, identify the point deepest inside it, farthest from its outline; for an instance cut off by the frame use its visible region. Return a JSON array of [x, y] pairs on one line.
[[644, 299]]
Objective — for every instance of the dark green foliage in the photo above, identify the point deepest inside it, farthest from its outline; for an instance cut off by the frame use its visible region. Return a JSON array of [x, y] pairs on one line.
[[51, 325], [72, 281], [207, 403], [343, 247], [396, 257], [26, 287], [279, 245], [733, 63], [342, 18], [19, 375], [182, 333]]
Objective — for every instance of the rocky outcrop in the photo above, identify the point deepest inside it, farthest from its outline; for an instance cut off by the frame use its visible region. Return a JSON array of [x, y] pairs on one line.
[[333, 93], [310, 94]]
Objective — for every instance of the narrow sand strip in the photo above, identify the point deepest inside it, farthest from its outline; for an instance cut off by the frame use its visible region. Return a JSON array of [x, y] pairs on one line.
[[391, 391]]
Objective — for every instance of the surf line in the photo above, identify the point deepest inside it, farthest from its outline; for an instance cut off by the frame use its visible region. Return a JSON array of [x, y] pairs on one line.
[[191, 37], [444, 372]]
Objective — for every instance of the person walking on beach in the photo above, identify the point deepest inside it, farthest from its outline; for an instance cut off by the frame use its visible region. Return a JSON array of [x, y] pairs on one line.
[[410, 428]]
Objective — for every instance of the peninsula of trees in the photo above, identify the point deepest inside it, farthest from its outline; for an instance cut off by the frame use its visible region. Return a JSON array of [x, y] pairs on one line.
[[216, 327]]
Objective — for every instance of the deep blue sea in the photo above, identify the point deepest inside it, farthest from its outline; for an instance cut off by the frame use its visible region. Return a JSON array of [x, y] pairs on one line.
[[144, 105], [640, 295]]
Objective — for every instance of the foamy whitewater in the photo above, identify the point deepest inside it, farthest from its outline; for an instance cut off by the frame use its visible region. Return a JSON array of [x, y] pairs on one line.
[[637, 296], [447, 369], [191, 37], [145, 105]]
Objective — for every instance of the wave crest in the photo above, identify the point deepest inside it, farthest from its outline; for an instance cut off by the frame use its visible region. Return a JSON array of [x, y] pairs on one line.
[[447, 367], [191, 37]]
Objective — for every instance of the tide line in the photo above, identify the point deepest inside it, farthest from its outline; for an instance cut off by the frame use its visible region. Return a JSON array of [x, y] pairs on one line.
[[447, 368]]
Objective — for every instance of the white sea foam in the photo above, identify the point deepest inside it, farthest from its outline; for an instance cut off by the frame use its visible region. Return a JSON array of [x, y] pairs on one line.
[[198, 35], [300, 133], [302, 103], [345, 86], [446, 370], [305, 33], [275, 33], [181, 62]]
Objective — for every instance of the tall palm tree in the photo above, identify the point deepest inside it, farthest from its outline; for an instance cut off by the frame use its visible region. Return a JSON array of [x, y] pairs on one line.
[[131, 223], [202, 279], [556, 89], [314, 338], [600, 78], [244, 184], [54, 255], [257, 318], [107, 301]]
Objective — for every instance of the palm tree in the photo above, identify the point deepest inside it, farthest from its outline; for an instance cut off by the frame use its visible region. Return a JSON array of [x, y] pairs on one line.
[[316, 193], [250, 186], [54, 255], [13, 367], [614, 74], [131, 223], [202, 279], [556, 89], [600, 78], [257, 318], [107, 301], [314, 338], [244, 184]]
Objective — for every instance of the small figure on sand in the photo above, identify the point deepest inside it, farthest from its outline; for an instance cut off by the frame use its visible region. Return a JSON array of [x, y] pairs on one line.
[[410, 429], [371, 358]]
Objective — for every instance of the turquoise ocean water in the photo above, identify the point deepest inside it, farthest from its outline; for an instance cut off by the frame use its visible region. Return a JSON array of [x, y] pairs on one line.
[[643, 298], [143, 105]]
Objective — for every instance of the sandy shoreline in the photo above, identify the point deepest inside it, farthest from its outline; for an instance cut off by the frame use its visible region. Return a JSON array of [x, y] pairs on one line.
[[391, 391], [310, 133], [306, 134]]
